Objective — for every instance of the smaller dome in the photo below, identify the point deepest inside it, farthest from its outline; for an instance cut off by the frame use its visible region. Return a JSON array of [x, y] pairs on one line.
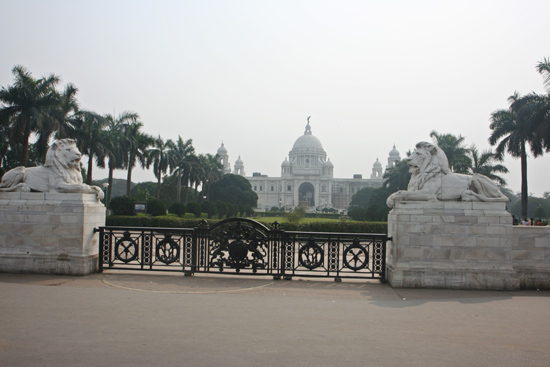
[[394, 152], [222, 150], [285, 163], [377, 163], [239, 161], [328, 163]]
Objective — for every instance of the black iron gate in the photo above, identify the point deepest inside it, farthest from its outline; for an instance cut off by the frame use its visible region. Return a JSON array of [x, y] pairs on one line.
[[244, 246]]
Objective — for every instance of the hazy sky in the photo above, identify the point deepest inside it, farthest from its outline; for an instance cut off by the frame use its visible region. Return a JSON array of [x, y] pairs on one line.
[[249, 73]]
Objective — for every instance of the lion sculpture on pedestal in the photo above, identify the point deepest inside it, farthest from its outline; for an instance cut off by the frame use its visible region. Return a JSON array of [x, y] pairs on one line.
[[60, 173], [432, 180]]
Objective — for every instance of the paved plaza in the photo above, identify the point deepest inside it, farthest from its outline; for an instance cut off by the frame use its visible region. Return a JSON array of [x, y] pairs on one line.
[[159, 319]]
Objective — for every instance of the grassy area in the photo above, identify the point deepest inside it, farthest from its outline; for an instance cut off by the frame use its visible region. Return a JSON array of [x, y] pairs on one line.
[[270, 220]]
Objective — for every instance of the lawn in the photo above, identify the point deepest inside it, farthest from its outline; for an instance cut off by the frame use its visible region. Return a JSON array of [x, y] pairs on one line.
[[269, 220]]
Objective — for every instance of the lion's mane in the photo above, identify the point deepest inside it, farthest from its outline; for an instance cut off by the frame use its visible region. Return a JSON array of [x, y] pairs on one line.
[[57, 163], [435, 164]]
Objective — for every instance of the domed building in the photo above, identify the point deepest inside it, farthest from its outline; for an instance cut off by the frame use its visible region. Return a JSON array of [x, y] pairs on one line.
[[307, 178]]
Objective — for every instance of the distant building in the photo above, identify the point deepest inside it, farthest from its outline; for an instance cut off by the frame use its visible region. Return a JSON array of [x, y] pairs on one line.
[[307, 178]]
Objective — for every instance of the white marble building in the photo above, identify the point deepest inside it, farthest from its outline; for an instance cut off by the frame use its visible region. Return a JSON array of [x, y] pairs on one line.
[[307, 178]]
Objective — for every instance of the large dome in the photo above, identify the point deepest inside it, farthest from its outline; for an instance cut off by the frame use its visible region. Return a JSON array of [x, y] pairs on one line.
[[308, 143]]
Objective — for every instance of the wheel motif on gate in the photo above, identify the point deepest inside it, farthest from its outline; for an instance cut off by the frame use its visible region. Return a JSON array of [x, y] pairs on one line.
[[311, 256], [356, 257], [126, 249], [168, 250]]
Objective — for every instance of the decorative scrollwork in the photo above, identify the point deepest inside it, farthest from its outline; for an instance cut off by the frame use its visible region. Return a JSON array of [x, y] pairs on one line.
[[126, 249], [168, 250], [203, 224], [275, 226], [356, 257], [239, 246], [311, 256]]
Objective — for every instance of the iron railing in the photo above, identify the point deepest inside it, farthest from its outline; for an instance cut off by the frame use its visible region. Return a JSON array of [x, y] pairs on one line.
[[244, 246]]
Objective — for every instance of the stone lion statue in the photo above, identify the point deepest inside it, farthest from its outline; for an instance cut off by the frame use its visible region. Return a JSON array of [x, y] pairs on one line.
[[60, 173], [432, 180]]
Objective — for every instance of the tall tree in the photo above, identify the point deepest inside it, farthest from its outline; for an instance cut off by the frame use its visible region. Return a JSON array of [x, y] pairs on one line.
[[27, 105], [211, 172], [136, 143], [511, 132], [397, 177], [487, 164], [92, 139], [60, 122], [454, 149], [116, 144], [160, 155], [183, 155], [541, 115]]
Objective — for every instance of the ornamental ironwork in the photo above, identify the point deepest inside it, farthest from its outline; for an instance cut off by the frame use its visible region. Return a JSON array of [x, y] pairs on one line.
[[244, 246], [168, 250], [238, 246], [311, 255]]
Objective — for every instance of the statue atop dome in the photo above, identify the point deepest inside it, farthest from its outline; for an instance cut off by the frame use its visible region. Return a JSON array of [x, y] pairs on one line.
[[308, 127]]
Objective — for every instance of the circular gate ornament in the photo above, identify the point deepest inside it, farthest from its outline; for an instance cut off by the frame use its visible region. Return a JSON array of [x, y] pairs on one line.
[[356, 257], [168, 251], [126, 250], [311, 256]]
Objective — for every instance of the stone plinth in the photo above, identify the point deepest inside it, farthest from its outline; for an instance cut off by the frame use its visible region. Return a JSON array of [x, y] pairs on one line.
[[455, 245], [49, 233]]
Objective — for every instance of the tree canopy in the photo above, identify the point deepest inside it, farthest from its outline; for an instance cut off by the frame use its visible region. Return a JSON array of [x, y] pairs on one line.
[[234, 189]]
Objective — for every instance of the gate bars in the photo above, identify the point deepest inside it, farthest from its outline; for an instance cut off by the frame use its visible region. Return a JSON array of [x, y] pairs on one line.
[[244, 246]]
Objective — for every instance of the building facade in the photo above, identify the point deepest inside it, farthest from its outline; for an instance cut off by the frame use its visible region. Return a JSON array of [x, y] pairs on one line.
[[307, 178]]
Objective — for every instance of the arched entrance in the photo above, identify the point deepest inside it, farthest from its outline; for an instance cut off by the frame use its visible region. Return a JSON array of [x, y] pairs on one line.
[[306, 192]]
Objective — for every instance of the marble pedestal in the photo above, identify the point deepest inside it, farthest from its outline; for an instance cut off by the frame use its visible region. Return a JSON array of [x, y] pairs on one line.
[[453, 245], [49, 233]]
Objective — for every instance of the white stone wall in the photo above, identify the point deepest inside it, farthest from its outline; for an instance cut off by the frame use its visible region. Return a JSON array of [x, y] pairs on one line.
[[531, 256], [49, 232], [464, 245]]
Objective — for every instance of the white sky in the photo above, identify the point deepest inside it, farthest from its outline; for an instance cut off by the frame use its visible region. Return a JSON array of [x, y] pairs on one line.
[[248, 73]]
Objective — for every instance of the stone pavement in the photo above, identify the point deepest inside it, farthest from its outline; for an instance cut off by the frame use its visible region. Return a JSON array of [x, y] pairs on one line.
[[159, 319]]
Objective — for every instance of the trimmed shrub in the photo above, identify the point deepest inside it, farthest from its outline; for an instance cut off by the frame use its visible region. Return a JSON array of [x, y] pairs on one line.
[[177, 209], [122, 205], [156, 207], [194, 208], [209, 208], [296, 216], [221, 207]]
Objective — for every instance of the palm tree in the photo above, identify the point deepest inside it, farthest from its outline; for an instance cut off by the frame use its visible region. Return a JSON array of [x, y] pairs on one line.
[[116, 144], [160, 155], [61, 120], [511, 133], [28, 103], [453, 147], [188, 178], [543, 67], [136, 143], [485, 164], [183, 153], [90, 132], [212, 171], [542, 102]]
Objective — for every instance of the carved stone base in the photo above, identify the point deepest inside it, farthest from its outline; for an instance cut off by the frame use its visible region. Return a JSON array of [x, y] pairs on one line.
[[454, 245], [49, 233]]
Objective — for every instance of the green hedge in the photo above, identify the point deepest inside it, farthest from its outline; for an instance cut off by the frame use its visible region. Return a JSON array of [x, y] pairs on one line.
[[306, 215], [175, 222], [160, 221], [338, 227]]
